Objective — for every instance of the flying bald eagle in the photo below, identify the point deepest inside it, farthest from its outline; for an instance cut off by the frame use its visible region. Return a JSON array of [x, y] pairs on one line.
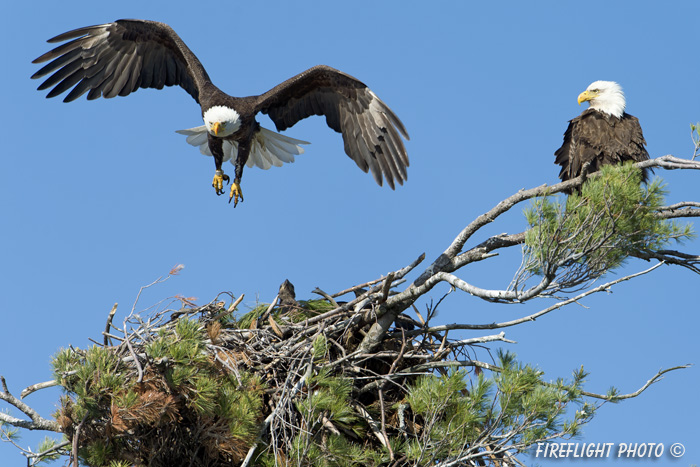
[[116, 59], [602, 134]]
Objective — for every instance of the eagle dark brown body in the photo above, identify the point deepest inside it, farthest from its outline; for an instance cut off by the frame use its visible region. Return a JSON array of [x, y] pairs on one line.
[[600, 139]]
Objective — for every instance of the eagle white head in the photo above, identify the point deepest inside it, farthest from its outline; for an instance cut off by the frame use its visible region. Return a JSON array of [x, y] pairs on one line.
[[605, 96], [221, 121]]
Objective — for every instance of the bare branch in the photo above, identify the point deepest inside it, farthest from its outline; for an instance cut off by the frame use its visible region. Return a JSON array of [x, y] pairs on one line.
[[108, 326], [36, 423], [397, 274], [482, 340], [386, 286], [678, 258], [376, 429], [601, 288], [494, 295], [133, 353], [330, 298], [657, 377], [35, 387]]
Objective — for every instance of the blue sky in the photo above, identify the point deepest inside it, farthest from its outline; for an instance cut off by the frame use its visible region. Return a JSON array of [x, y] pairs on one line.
[[100, 198]]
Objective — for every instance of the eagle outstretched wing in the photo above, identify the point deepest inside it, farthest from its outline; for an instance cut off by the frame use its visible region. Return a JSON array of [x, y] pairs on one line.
[[371, 131], [116, 59]]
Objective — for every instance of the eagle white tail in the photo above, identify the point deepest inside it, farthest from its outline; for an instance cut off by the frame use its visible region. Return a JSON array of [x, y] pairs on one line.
[[269, 148]]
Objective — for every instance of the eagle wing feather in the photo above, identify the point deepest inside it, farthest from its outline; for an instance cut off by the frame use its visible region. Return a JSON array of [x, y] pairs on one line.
[[116, 59], [370, 129]]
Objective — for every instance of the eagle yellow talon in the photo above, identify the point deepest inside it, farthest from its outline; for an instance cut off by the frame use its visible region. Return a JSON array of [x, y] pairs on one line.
[[219, 178], [235, 192]]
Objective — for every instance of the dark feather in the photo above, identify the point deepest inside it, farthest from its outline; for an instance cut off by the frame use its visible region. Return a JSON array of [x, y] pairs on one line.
[[118, 53], [600, 139], [371, 139]]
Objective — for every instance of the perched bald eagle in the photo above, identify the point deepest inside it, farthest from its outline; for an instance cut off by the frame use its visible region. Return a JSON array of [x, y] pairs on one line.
[[116, 59], [602, 134]]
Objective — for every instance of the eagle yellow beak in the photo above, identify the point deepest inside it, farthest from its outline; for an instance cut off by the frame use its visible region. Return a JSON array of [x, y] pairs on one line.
[[586, 96], [216, 128]]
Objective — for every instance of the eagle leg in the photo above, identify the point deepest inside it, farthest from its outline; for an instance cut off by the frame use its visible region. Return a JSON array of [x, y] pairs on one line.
[[216, 148], [236, 192], [218, 183], [243, 153]]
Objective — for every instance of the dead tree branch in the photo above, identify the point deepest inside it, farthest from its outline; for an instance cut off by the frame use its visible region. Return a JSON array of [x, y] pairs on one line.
[[37, 421]]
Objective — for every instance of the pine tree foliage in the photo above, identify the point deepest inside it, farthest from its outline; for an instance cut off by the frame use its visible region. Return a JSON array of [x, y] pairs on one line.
[[183, 403], [515, 408], [596, 230]]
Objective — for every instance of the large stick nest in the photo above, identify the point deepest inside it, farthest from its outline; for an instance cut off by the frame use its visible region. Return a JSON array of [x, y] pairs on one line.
[[198, 386]]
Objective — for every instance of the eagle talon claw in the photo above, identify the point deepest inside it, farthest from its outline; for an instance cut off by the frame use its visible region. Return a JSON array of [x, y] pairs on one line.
[[236, 192], [218, 183]]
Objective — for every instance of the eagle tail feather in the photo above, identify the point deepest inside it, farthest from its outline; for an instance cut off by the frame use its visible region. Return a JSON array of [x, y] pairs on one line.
[[268, 147]]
